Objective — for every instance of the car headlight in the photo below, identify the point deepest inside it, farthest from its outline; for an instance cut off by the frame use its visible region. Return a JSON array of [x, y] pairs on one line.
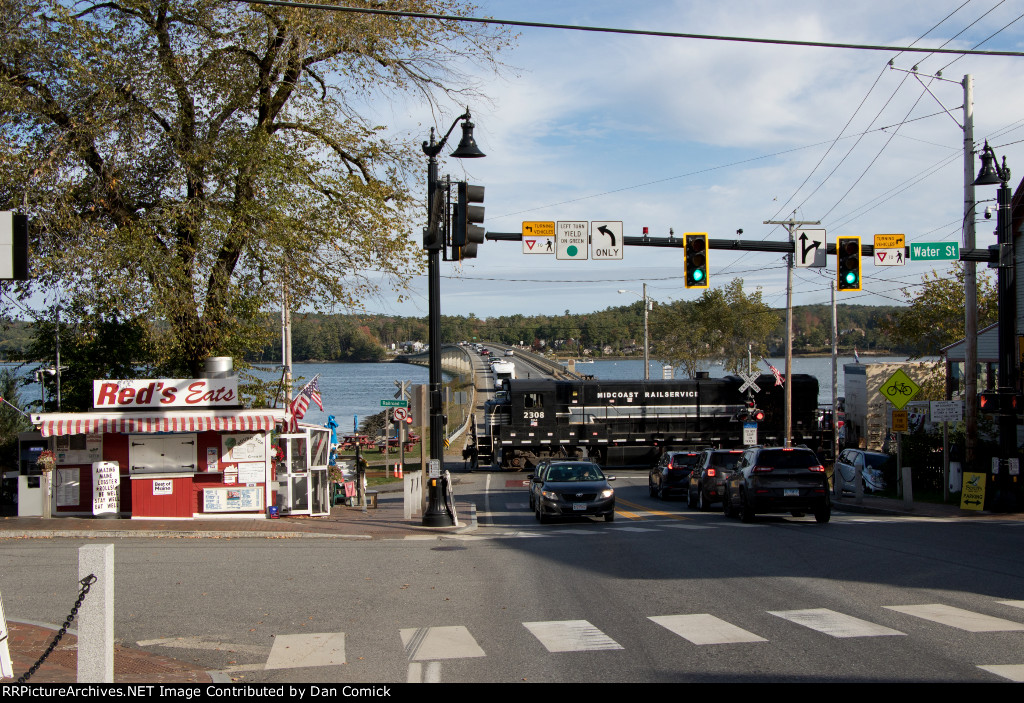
[[607, 493], [550, 495]]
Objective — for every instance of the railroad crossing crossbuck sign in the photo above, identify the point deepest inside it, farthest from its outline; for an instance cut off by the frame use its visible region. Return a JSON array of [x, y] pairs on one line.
[[749, 383]]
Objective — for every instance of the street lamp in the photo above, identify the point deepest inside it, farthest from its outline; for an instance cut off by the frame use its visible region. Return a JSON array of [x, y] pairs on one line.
[[647, 307], [991, 174], [437, 514]]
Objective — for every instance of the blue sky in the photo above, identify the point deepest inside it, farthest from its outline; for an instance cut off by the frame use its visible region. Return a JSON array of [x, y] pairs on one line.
[[716, 136]]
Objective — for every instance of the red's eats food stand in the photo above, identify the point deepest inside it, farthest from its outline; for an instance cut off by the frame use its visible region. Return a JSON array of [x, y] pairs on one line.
[[163, 448]]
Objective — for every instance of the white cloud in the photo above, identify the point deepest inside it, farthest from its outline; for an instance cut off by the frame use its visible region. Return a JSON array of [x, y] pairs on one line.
[[715, 136]]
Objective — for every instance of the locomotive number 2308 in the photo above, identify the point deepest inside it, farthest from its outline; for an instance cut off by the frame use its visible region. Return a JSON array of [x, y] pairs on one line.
[[533, 415]]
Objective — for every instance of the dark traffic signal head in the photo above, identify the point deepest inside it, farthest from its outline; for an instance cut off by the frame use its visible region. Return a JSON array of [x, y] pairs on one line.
[[433, 233], [695, 256], [848, 263], [466, 232]]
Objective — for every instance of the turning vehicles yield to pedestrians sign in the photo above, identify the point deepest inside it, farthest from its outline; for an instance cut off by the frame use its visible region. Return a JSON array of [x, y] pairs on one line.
[[538, 237]]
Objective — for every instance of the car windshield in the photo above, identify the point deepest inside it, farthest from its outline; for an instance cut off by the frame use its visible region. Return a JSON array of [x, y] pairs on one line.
[[575, 472]]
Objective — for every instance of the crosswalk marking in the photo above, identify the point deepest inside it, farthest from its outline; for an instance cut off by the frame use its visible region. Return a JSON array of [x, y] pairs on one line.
[[433, 643], [571, 636], [835, 624], [1013, 672], [957, 617], [703, 629], [1014, 603], [294, 651]]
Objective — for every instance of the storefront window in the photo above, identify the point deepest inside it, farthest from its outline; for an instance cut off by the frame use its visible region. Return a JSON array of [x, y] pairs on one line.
[[297, 446]]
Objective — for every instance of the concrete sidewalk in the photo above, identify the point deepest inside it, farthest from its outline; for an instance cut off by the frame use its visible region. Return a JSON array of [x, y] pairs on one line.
[[895, 506], [386, 521]]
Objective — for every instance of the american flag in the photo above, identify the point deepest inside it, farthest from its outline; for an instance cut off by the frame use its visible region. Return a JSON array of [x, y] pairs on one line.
[[779, 379], [299, 406]]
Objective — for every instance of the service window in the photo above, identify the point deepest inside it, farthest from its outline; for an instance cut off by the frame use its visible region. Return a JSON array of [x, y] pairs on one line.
[[162, 453]]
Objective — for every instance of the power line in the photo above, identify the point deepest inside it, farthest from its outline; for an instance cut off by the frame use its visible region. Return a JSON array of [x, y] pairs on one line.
[[620, 30]]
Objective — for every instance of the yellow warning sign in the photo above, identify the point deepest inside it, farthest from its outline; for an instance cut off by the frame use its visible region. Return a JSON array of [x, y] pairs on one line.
[[899, 389], [973, 495], [900, 421], [890, 241]]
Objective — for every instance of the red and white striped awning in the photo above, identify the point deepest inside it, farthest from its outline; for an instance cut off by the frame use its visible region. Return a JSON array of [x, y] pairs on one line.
[[54, 424]]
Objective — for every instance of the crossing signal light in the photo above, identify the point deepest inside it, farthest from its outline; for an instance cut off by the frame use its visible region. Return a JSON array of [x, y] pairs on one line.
[[695, 255], [749, 412], [848, 263], [466, 232]]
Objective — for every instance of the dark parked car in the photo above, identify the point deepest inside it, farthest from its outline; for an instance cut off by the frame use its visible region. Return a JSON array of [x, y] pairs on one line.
[[707, 482], [671, 475], [873, 466], [571, 488], [778, 480]]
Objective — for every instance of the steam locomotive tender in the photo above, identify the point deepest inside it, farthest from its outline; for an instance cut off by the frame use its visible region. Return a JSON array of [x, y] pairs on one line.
[[631, 423]]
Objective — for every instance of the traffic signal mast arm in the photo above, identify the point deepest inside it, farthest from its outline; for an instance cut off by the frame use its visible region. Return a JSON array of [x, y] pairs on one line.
[[990, 255]]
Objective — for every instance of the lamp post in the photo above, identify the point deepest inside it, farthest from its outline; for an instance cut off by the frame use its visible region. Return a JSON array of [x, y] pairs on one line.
[[647, 307], [991, 174], [437, 514]]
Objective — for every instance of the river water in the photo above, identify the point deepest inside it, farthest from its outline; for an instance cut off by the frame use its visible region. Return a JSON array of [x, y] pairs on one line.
[[351, 392]]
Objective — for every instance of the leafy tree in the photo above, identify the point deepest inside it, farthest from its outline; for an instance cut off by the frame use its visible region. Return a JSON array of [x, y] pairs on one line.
[[718, 326], [181, 158], [934, 317], [90, 348], [11, 421]]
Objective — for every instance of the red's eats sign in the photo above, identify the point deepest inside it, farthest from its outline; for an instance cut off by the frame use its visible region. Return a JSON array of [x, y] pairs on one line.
[[165, 393]]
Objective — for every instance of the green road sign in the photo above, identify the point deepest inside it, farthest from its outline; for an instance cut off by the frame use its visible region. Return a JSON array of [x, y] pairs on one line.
[[936, 251], [394, 403], [899, 389]]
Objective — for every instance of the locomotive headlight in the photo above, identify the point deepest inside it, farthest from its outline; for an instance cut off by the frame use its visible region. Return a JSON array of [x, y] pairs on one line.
[[607, 493]]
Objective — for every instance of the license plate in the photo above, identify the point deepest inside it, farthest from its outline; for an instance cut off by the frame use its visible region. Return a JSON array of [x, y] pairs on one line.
[[579, 506], [791, 492]]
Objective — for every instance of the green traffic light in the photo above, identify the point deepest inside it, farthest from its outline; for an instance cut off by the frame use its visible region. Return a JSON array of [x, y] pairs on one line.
[[698, 275], [851, 278]]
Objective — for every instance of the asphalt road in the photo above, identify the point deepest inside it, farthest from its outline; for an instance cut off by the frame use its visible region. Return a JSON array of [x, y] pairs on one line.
[[663, 594]]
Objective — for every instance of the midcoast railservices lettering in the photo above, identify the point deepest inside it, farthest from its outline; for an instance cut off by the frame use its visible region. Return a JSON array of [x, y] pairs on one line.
[[632, 395]]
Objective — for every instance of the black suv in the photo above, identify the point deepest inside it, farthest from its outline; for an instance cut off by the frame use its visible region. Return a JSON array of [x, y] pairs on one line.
[[707, 482], [671, 475], [778, 480]]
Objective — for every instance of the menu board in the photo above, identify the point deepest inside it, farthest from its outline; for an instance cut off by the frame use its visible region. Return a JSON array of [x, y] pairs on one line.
[[244, 447], [231, 500]]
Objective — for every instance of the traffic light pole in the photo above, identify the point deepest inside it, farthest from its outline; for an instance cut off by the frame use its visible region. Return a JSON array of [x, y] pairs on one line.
[[436, 514]]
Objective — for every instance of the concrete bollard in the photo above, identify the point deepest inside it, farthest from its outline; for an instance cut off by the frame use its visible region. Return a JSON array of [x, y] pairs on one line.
[[96, 616], [908, 489]]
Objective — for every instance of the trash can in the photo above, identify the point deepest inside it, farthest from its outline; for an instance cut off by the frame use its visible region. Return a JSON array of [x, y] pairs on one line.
[[272, 512], [371, 499]]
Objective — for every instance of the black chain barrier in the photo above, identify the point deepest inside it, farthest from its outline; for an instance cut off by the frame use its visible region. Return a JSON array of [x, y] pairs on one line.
[[87, 583]]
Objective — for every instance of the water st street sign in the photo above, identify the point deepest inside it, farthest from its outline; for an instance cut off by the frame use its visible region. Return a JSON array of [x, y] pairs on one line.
[[935, 251]]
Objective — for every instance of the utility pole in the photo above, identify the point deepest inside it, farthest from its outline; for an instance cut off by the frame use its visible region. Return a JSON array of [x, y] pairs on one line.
[[647, 339], [970, 282], [790, 225]]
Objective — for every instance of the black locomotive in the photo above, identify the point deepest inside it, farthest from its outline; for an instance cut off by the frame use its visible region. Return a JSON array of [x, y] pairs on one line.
[[630, 423]]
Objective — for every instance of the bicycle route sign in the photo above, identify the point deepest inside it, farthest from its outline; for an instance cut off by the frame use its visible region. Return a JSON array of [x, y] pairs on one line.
[[899, 389]]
